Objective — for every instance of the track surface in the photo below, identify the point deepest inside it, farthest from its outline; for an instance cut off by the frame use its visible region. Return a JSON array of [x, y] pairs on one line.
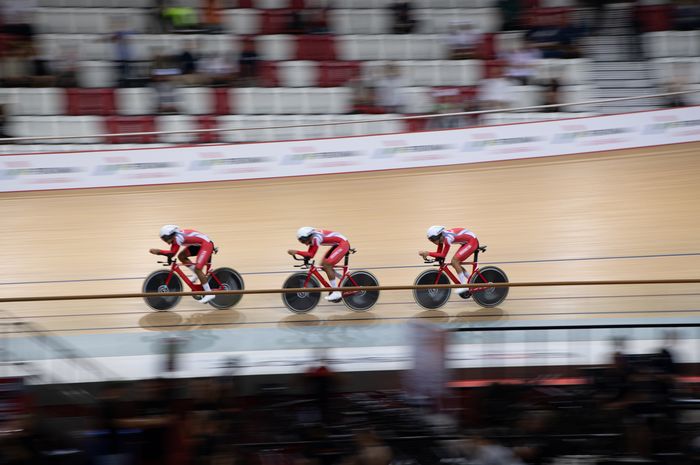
[[622, 215]]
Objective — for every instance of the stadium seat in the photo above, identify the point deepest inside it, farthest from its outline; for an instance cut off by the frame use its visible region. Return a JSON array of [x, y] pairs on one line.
[[275, 47], [30, 101], [526, 96], [360, 21], [78, 126], [241, 21], [315, 47], [196, 100], [96, 74], [34, 126], [337, 73], [176, 123], [253, 101], [130, 124], [441, 21], [330, 100], [298, 73], [417, 100], [90, 102], [136, 101]]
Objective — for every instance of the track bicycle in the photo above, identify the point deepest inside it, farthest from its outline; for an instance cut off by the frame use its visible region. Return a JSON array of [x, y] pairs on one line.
[[220, 279], [305, 301], [484, 296]]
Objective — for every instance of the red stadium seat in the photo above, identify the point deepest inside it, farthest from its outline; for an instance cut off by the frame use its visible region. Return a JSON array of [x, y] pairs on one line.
[[275, 21], [222, 105], [122, 124], [98, 102], [653, 18], [207, 122], [316, 48], [337, 73], [268, 74]]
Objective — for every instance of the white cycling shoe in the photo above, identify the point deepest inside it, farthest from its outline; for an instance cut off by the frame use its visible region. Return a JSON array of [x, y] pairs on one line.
[[334, 296], [207, 299]]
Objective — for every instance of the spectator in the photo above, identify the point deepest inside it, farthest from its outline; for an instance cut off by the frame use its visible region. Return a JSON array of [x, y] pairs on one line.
[[388, 90], [121, 40], [551, 95], [181, 18], [677, 83], [317, 21], [218, 69], [163, 75], [464, 41], [495, 92], [296, 23], [554, 36], [212, 16], [3, 121], [510, 14], [189, 63], [41, 75], [362, 95], [65, 67], [521, 63], [403, 17], [371, 450], [686, 15], [248, 64]]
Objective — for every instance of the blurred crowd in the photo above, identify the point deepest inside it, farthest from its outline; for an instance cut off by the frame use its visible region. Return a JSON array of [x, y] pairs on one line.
[[635, 410], [23, 64]]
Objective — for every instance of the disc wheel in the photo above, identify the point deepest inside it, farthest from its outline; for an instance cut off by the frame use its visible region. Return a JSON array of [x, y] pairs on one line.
[[360, 301], [431, 298], [490, 296], [230, 281], [300, 302], [156, 282]]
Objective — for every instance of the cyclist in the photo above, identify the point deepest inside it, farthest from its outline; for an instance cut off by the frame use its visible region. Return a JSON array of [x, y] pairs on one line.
[[193, 244], [315, 238], [444, 238]]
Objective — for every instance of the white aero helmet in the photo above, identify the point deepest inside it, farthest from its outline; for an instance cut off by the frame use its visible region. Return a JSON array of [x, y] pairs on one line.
[[435, 231], [304, 232], [168, 230]]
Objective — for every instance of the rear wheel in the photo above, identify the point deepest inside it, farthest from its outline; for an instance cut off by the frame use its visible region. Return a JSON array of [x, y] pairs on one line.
[[156, 282], [301, 302], [490, 296], [230, 281], [360, 301], [431, 298]]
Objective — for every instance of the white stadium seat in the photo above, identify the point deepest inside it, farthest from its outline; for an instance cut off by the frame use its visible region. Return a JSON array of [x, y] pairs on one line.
[[253, 101], [135, 101], [96, 74], [176, 123], [300, 73], [360, 21], [196, 100], [417, 100], [276, 47], [244, 21], [34, 101]]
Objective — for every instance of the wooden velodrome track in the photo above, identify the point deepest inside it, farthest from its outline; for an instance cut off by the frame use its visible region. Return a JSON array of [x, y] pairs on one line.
[[621, 215]]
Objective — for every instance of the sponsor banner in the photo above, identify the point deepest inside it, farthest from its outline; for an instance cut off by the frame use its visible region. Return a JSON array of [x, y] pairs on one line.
[[351, 154]]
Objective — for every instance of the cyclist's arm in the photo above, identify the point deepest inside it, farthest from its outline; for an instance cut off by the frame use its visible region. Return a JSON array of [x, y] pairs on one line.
[[173, 250], [313, 248], [441, 251]]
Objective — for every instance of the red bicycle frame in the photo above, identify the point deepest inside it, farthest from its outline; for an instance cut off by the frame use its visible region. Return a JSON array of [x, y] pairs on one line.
[[176, 268], [313, 271], [444, 268]]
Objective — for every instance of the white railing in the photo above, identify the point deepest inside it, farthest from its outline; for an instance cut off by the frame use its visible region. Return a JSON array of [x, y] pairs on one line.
[[30, 139]]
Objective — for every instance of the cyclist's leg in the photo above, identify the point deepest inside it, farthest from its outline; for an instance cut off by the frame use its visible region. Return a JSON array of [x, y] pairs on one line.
[[332, 257], [203, 257], [461, 255], [184, 257]]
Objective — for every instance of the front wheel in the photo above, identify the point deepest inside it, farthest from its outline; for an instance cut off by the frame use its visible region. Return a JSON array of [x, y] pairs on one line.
[[230, 281], [360, 301], [300, 302], [156, 282], [489, 296], [431, 298]]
